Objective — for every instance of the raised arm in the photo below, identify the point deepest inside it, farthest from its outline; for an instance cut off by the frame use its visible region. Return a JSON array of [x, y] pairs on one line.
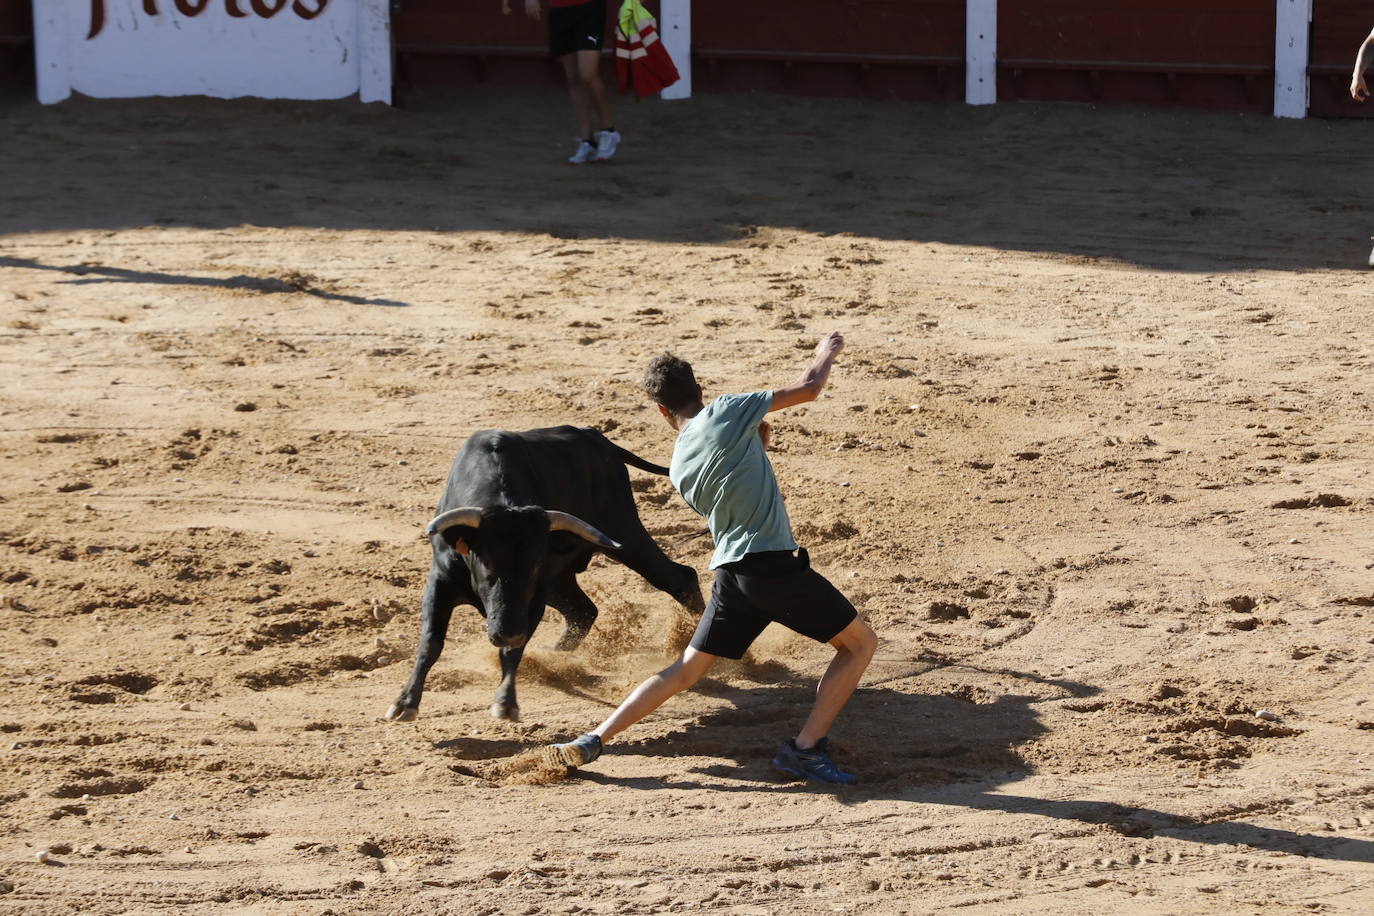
[[808, 386], [1358, 91]]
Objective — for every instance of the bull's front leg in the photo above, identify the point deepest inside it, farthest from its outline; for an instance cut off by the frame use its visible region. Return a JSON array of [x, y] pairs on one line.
[[505, 705], [436, 611]]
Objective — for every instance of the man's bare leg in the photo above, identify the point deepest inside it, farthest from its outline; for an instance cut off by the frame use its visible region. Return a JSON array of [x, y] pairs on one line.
[[655, 691], [578, 89], [589, 70], [854, 648], [648, 696]]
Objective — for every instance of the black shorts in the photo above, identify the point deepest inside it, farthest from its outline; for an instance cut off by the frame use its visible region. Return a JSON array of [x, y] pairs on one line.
[[764, 588], [577, 28]]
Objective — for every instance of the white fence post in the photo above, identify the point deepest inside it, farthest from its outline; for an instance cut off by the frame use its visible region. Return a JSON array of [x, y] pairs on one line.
[[980, 52], [374, 51], [1293, 20], [52, 51], [675, 30]]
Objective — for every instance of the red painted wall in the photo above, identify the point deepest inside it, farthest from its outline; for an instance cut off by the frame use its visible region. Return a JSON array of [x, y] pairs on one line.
[[16, 44], [444, 45], [883, 48], [470, 24], [1208, 53]]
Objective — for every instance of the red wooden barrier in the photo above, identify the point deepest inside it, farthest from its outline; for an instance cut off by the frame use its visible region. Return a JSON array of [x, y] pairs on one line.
[[884, 48], [443, 43], [16, 44], [1208, 53], [887, 48], [1338, 28]]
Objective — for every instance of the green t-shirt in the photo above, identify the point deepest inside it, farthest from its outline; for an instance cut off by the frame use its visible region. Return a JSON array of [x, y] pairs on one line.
[[720, 469]]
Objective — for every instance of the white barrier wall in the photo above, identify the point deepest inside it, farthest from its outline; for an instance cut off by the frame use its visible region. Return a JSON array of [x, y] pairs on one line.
[[285, 49]]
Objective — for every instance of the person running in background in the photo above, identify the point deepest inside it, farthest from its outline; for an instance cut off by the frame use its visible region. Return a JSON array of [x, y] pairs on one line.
[[1358, 91], [720, 468], [576, 31]]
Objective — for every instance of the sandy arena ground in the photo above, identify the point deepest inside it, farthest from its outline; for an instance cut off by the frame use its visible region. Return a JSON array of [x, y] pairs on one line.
[[1098, 465]]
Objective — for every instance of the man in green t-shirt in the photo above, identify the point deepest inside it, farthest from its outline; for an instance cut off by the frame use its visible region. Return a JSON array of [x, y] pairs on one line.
[[720, 468]]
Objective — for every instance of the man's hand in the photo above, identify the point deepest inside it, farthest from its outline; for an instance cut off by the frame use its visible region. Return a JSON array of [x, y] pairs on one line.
[[808, 387], [830, 346], [766, 434], [532, 8], [1358, 91]]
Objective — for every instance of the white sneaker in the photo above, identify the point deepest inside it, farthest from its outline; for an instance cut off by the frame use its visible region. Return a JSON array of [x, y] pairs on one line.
[[585, 153], [607, 142]]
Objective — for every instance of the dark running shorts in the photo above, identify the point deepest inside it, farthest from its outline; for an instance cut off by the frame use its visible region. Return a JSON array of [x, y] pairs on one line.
[[577, 28], [764, 588]]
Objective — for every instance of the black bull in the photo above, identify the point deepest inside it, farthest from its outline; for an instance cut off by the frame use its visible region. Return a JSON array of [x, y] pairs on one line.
[[521, 516]]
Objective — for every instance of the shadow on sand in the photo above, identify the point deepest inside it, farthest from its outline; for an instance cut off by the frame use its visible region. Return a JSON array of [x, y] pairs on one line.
[[1171, 190], [918, 748], [290, 282]]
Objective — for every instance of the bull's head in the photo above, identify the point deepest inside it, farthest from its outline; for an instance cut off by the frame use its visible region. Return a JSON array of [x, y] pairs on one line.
[[505, 548]]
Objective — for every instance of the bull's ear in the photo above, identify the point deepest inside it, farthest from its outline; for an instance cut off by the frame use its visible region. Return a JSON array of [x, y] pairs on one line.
[[454, 537]]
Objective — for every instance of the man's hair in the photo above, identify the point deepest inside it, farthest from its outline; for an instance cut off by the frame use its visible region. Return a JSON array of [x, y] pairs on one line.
[[669, 380]]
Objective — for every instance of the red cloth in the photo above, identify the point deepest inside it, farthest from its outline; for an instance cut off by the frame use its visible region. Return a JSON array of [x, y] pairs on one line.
[[641, 61]]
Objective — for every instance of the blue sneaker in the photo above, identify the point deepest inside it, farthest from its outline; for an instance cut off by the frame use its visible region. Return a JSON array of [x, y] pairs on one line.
[[814, 764], [578, 752]]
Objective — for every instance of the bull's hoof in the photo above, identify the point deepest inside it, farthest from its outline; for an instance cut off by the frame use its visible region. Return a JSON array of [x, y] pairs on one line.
[[399, 713], [570, 640], [508, 711]]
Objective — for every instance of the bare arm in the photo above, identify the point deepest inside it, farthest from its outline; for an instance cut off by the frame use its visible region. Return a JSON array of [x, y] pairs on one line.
[[808, 387], [531, 8], [1358, 91]]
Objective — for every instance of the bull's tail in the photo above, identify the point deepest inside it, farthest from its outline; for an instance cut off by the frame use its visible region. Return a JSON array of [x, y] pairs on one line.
[[634, 460], [630, 458]]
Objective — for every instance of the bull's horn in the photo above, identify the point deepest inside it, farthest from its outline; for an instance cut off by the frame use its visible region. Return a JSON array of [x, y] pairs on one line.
[[562, 521], [471, 516]]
